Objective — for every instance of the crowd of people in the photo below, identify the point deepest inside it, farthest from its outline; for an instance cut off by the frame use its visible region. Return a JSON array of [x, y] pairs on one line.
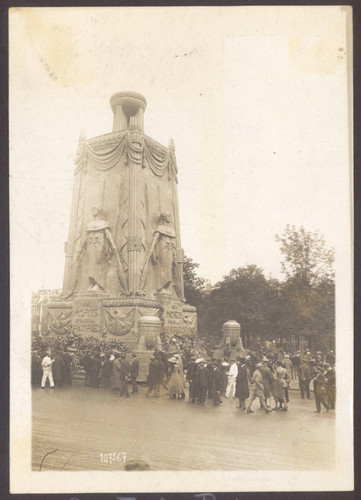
[[262, 374], [246, 378]]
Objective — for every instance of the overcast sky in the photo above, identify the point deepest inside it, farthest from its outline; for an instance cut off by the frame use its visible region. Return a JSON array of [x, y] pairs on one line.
[[255, 99]]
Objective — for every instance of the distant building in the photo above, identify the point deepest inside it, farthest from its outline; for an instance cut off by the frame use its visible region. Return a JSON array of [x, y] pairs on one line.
[[38, 300], [208, 288]]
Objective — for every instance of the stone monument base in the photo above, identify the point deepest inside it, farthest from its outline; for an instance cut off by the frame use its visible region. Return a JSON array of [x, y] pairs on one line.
[[177, 317], [95, 314]]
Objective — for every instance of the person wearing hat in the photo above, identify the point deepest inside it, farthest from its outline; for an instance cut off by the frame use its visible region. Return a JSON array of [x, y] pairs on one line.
[[224, 371], [179, 359], [175, 386], [36, 371], [116, 382], [216, 384], [210, 368], [134, 372], [47, 364], [296, 361], [287, 363], [304, 378], [58, 368], [257, 390], [330, 376], [152, 377], [191, 378], [330, 358], [94, 368], [320, 390], [107, 370], [202, 381], [280, 385], [124, 376], [86, 364], [242, 390], [197, 390], [267, 378], [232, 376]]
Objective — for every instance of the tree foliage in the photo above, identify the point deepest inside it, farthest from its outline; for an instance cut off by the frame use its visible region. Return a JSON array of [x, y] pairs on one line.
[[302, 304], [245, 295], [266, 308], [309, 286], [305, 255], [193, 284]]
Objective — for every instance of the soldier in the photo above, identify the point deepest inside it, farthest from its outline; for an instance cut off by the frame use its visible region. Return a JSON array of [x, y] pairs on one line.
[[319, 384], [257, 390], [304, 378], [295, 365], [331, 385], [267, 380]]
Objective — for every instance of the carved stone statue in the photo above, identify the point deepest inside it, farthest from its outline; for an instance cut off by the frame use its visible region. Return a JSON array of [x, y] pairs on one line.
[[99, 247], [162, 253], [96, 252]]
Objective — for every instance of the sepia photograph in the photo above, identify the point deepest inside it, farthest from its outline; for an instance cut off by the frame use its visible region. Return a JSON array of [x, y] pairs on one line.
[[181, 213]]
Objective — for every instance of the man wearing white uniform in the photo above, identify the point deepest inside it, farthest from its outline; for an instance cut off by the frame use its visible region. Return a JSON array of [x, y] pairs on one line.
[[47, 364], [232, 375]]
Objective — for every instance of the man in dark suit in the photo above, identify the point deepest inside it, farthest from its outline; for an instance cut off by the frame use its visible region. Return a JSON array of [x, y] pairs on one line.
[[304, 378], [202, 381], [191, 377], [124, 376], [216, 384], [67, 360], [134, 372]]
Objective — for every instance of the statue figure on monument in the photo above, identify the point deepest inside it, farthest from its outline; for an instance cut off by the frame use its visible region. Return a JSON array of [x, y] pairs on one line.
[[162, 253], [98, 248]]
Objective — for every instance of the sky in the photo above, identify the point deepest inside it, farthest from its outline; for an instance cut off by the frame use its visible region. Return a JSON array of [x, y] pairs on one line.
[[255, 99]]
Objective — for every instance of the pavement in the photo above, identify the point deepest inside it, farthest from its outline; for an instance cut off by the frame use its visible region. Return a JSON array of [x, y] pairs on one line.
[[83, 428]]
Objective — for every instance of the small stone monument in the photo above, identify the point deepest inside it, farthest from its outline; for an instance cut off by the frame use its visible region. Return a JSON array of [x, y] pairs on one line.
[[231, 331]]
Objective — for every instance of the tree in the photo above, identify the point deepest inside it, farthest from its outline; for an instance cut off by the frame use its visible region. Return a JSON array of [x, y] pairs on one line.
[[193, 284], [305, 255], [309, 285], [245, 295]]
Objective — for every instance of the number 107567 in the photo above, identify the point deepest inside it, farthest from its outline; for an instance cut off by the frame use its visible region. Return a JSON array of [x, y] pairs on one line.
[[109, 458]]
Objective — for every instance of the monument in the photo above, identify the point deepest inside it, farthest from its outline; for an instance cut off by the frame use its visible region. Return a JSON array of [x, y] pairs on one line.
[[123, 257], [231, 340]]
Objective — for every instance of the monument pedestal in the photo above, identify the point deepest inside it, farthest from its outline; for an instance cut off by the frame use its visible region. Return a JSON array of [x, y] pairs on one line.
[[87, 313], [149, 340], [178, 318], [232, 338]]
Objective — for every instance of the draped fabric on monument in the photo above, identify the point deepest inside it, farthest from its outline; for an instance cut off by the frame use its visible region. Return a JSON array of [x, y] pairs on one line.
[[146, 152], [103, 166]]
